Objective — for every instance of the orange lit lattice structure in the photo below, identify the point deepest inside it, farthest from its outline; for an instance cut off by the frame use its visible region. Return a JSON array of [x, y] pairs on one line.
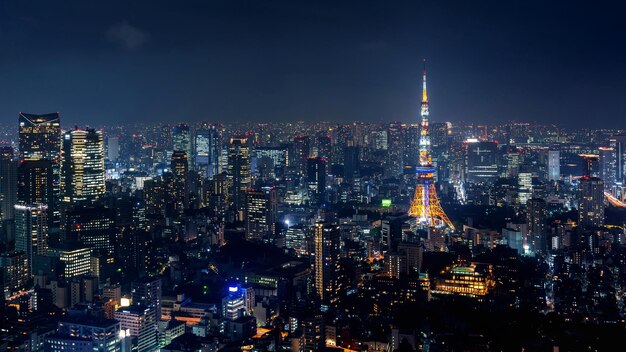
[[425, 205]]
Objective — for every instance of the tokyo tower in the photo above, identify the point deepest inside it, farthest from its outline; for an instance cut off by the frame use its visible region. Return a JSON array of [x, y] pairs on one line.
[[425, 205]]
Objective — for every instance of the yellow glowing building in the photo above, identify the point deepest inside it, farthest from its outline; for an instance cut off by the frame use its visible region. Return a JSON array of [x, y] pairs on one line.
[[474, 280]]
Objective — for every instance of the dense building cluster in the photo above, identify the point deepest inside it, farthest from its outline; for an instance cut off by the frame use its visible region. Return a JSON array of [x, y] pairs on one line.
[[299, 236]]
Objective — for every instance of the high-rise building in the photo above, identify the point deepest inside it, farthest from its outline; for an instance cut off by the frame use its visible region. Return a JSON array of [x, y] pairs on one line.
[[261, 213], [139, 321], [208, 148], [180, 181], [148, 292], [591, 202], [302, 150], [327, 244], [181, 139], [238, 172], [618, 143], [395, 163], [92, 226], [536, 219], [14, 269], [8, 192], [75, 259], [525, 186], [35, 182], [554, 165], [233, 305], [40, 138], [351, 163], [481, 162], [316, 180], [439, 135], [113, 148], [425, 205], [31, 231], [324, 145], [608, 171], [82, 166]]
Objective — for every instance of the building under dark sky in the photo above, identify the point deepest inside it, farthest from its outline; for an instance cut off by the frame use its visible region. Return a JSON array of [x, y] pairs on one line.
[[118, 61]]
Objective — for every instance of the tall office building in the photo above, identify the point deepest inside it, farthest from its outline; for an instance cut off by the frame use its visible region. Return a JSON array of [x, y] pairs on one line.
[[395, 163], [591, 202], [481, 162], [351, 163], [13, 272], [82, 166], [181, 139], [8, 192], [113, 148], [554, 165], [618, 143], [35, 182], [40, 138], [75, 259], [148, 292], [525, 187], [31, 231], [139, 321], [92, 226], [316, 180], [301, 148], [180, 181], [324, 145], [238, 172], [608, 171], [261, 213], [439, 136], [537, 221], [327, 244], [207, 151]]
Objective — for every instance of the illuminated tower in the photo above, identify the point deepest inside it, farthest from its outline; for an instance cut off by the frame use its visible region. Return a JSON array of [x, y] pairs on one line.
[[425, 205]]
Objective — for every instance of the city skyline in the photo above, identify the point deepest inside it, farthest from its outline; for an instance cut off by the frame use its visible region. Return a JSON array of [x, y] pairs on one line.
[[279, 61]]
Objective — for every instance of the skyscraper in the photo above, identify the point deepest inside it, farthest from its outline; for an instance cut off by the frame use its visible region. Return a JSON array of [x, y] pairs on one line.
[[425, 205], [82, 166], [31, 231], [591, 202], [238, 172], [301, 147], [316, 180], [608, 172], [35, 182], [181, 139], [92, 226], [327, 242], [481, 160], [40, 138], [208, 148], [536, 219], [261, 213], [554, 165], [148, 292], [180, 181], [351, 163], [8, 192]]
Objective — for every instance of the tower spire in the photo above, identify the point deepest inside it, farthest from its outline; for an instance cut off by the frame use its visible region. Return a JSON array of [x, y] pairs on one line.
[[424, 95]]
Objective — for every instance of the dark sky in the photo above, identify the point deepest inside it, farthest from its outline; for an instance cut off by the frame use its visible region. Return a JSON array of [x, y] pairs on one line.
[[113, 61]]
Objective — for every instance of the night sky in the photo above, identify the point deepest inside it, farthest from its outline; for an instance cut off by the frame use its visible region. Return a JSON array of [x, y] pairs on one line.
[[102, 62]]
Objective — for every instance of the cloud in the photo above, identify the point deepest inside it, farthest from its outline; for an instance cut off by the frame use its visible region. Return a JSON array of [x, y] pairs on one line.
[[127, 36]]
